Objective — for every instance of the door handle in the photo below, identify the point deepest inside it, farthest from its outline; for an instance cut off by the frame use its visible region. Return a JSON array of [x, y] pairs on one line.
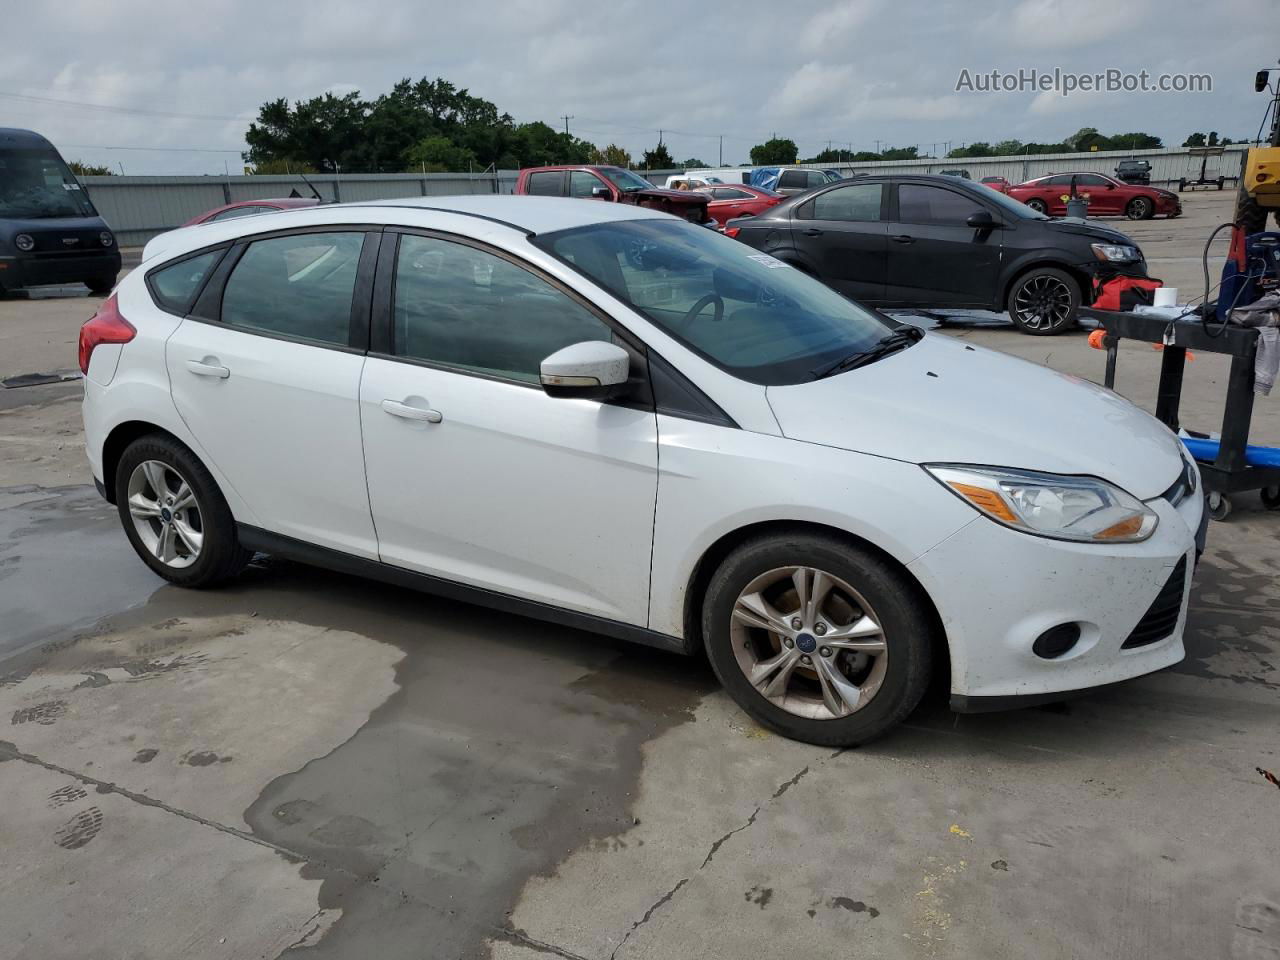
[[813, 232], [403, 410], [209, 367], [903, 238]]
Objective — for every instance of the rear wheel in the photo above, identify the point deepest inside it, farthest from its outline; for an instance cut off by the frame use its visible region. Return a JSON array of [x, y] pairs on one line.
[[1038, 205], [1140, 208], [817, 639], [100, 285], [174, 515], [1044, 301]]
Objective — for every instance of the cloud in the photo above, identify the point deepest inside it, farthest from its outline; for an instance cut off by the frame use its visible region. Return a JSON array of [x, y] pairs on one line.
[[1064, 24], [832, 26]]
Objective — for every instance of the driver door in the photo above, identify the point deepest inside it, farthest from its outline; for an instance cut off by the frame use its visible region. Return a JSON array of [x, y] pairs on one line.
[[475, 474]]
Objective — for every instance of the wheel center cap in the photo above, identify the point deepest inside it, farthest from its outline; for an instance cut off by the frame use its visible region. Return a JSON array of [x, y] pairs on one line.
[[165, 514], [806, 643]]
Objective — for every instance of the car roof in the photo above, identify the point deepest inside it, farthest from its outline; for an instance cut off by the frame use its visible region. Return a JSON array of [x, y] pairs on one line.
[[530, 215]]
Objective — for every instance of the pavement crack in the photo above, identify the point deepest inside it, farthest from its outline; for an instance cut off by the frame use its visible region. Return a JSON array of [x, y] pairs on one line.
[[719, 843], [513, 935], [654, 908], [787, 785]]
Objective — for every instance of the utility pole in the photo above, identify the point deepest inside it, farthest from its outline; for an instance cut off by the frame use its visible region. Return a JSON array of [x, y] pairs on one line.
[[721, 163], [877, 146], [566, 117]]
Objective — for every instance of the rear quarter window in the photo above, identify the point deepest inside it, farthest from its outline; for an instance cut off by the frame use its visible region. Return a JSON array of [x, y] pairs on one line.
[[174, 287], [549, 183]]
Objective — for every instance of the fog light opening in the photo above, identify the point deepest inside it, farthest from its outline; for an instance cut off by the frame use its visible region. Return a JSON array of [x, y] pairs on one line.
[[1056, 641]]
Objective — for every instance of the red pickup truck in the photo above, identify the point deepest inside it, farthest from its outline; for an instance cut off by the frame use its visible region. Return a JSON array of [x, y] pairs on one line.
[[614, 184]]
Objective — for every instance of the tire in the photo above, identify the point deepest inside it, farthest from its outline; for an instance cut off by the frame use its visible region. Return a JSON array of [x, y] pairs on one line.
[[100, 286], [159, 460], [1271, 498], [1221, 181], [1219, 506], [1038, 205], [1182, 184], [1140, 208], [864, 590], [1044, 302]]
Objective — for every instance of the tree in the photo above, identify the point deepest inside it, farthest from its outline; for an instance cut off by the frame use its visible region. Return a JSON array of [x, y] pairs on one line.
[[612, 155], [900, 153], [82, 169], [277, 167], [439, 155], [659, 158], [978, 149], [1135, 141], [693, 163], [773, 151], [832, 156], [1213, 139], [325, 132]]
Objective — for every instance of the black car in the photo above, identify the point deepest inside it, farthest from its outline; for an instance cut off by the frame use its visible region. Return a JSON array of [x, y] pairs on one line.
[[1134, 171], [934, 241]]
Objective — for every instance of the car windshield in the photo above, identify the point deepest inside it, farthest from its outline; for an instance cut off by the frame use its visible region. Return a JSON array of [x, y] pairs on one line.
[[1015, 207], [625, 180], [35, 184], [743, 310]]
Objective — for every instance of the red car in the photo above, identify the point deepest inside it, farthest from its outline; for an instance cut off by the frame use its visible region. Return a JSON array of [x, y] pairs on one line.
[[613, 184], [738, 200], [251, 208], [998, 184], [1107, 197]]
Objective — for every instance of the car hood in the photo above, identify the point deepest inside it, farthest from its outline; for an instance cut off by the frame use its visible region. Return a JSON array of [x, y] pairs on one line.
[[14, 226], [945, 401], [1089, 228]]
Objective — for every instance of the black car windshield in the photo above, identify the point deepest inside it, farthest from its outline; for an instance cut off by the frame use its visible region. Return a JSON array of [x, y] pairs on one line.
[[36, 184], [1015, 207], [743, 310], [625, 180]]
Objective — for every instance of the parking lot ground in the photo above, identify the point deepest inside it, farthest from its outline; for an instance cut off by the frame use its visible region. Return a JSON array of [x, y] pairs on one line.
[[305, 764]]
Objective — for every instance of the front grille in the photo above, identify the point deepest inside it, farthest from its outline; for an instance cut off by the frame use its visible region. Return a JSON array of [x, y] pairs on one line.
[[51, 242], [1160, 619]]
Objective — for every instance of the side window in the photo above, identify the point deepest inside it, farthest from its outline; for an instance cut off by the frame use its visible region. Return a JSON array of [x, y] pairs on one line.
[[237, 212], [582, 183], [1061, 180], [857, 202], [463, 307], [728, 193], [918, 203], [174, 287], [549, 183], [815, 178], [298, 286], [1090, 180], [791, 178]]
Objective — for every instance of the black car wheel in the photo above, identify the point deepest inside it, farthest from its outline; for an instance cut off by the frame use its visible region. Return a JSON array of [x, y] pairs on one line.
[[100, 285], [1140, 208], [1044, 301], [1039, 206]]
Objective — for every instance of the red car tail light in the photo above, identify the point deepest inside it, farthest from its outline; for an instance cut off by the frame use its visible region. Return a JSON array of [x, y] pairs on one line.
[[732, 231], [108, 325]]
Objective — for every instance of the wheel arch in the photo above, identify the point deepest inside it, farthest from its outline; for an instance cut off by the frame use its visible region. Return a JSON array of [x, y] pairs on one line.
[[118, 440], [716, 553], [1083, 279]]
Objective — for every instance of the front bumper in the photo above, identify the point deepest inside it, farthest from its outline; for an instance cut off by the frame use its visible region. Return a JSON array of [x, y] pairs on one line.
[[1169, 206], [32, 271], [998, 589]]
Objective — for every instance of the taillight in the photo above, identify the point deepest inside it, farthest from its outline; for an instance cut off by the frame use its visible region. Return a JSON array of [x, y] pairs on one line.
[[105, 326], [732, 231]]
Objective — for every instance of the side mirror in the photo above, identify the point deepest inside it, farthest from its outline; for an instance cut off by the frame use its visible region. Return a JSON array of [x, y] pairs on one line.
[[591, 370], [601, 193], [1111, 186], [981, 220]]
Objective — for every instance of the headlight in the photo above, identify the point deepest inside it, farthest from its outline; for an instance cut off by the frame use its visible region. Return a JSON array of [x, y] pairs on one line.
[[1050, 505], [105, 238], [1116, 252], [24, 242]]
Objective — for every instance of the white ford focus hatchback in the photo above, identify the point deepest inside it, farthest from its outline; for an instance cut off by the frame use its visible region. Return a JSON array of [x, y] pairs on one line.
[[611, 419]]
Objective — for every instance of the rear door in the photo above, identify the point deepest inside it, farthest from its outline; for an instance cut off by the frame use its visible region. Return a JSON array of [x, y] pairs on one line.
[[935, 258], [843, 233], [266, 374], [546, 183]]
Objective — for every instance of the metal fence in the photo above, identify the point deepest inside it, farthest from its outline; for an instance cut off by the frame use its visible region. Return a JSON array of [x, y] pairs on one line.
[[138, 208]]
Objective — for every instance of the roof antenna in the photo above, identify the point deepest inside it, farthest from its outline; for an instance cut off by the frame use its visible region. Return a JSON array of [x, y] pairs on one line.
[[319, 198]]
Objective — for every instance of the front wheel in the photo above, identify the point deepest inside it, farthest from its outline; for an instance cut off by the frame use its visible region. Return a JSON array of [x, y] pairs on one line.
[[1140, 208], [174, 514], [1044, 302], [1039, 206], [817, 639]]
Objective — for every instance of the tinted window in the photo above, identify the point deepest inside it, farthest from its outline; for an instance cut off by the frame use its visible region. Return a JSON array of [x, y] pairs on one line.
[[918, 203], [792, 178], [463, 307], [728, 193], [235, 212], [582, 183], [174, 287], [857, 202], [1061, 180], [815, 178], [299, 286], [547, 184], [1091, 180], [36, 184], [778, 325]]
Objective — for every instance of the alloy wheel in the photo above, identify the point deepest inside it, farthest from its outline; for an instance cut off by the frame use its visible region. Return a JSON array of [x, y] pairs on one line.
[[809, 643], [1138, 208], [1043, 303], [165, 514]]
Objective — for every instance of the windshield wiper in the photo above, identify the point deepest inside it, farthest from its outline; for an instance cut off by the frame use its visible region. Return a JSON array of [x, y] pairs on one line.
[[890, 343]]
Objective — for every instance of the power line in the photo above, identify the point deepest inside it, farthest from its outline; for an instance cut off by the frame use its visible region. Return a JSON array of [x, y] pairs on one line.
[[112, 108], [98, 146]]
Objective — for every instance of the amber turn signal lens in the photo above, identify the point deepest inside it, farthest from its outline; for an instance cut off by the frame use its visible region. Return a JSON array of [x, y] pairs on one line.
[[987, 501], [1126, 528]]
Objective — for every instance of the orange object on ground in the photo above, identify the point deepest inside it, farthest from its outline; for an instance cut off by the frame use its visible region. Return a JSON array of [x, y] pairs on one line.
[[1096, 338]]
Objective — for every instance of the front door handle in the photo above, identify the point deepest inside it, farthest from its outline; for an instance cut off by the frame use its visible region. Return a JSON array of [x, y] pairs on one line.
[[903, 238], [813, 232], [398, 409], [208, 367]]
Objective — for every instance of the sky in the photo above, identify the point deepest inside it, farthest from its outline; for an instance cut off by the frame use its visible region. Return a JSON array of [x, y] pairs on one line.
[[170, 88]]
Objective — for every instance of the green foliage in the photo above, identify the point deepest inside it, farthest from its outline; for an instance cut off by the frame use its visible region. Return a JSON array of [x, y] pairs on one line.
[[427, 121], [612, 155], [899, 153], [659, 158], [281, 166], [693, 163], [774, 151], [82, 169]]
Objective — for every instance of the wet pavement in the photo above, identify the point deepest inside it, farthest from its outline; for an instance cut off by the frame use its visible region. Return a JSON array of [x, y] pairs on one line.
[[301, 763]]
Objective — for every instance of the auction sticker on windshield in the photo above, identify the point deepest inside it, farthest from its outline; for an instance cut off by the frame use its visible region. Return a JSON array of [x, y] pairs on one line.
[[771, 262]]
